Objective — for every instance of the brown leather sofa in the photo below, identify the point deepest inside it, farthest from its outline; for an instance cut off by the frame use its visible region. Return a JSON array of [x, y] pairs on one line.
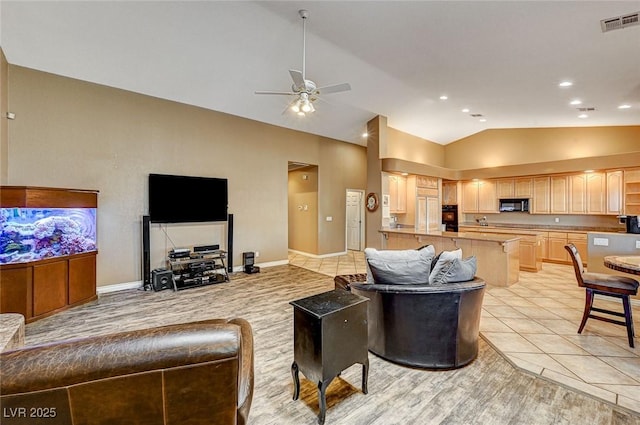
[[193, 373]]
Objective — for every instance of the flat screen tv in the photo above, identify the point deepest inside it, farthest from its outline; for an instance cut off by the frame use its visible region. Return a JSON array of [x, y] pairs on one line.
[[182, 199]]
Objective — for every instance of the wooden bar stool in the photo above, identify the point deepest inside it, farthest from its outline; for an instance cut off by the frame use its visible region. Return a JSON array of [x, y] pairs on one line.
[[608, 285]]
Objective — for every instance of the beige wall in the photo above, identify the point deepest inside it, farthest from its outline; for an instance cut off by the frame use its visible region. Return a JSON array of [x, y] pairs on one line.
[[4, 108], [75, 134], [496, 148], [405, 146], [303, 210]]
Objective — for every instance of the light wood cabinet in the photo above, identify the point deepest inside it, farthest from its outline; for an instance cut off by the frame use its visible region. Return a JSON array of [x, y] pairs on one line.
[[596, 193], [558, 201], [397, 194], [615, 185], [479, 197], [632, 192], [487, 199], [577, 194], [470, 197], [427, 181], [556, 253], [523, 187], [449, 193], [541, 190], [505, 188], [580, 242]]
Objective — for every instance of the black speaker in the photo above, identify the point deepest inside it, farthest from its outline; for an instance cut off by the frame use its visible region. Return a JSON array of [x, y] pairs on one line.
[[146, 254], [248, 258], [162, 279], [230, 243]]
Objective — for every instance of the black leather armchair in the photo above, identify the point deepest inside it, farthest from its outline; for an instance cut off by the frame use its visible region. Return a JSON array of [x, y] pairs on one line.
[[429, 326]]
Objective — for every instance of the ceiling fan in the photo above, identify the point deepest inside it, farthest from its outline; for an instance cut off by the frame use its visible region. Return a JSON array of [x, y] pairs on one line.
[[305, 91]]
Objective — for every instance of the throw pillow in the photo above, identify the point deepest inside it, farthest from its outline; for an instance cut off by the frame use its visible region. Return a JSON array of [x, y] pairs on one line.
[[456, 270], [398, 266]]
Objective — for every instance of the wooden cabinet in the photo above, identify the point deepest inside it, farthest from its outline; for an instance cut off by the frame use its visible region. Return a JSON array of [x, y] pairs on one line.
[[523, 187], [587, 193], [541, 195], [39, 288], [479, 197], [470, 197], [449, 193], [556, 253], [559, 195], [514, 188], [615, 187], [580, 241], [427, 181], [632, 191], [397, 194]]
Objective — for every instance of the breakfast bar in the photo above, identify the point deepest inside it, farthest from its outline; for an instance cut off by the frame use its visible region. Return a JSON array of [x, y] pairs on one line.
[[497, 255]]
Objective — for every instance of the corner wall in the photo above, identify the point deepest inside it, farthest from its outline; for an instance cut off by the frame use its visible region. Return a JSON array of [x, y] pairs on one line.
[[4, 108]]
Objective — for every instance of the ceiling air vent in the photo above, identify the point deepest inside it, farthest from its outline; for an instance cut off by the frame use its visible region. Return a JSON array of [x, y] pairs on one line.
[[586, 109], [476, 115], [619, 22]]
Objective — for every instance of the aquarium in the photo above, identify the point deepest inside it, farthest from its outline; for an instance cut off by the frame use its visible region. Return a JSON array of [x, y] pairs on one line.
[[31, 234]]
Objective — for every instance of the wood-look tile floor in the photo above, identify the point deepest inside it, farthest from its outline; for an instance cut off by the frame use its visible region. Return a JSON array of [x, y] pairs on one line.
[[488, 391], [534, 325]]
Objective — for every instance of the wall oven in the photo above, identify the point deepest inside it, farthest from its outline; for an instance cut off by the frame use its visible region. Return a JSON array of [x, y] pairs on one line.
[[450, 217]]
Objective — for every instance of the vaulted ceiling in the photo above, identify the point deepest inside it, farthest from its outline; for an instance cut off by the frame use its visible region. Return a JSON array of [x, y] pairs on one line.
[[503, 60]]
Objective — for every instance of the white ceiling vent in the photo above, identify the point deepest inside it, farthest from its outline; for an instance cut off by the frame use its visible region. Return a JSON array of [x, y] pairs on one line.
[[619, 22], [589, 109]]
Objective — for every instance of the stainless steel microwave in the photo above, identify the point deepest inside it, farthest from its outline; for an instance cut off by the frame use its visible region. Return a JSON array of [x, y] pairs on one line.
[[517, 205]]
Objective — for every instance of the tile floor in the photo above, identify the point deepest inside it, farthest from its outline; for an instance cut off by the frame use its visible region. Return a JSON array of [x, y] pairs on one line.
[[534, 322]]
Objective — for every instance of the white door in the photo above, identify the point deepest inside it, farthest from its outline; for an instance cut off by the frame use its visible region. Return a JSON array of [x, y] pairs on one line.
[[354, 220]]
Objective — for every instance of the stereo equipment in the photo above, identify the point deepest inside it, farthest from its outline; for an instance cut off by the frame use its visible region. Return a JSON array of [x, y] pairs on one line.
[[205, 249], [146, 254], [162, 279], [179, 253], [230, 243], [248, 259]]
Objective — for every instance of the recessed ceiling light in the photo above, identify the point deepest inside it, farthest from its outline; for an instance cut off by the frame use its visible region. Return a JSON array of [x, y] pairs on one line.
[[444, 97], [365, 134], [575, 102], [583, 116], [404, 174], [565, 84], [589, 171], [465, 110], [625, 106], [483, 120]]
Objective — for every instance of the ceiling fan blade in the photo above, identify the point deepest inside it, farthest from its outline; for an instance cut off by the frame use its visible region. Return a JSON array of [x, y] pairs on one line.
[[287, 93], [298, 79], [333, 89]]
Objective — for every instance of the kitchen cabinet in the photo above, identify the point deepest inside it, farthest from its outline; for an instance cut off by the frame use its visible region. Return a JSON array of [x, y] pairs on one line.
[[615, 187], [397, 194], [559, 189], [632, 191], [556, 253], [426, 181], [449, 193], [479, 197], [580, 241], [587, 193], [514, 188], [541, 190]]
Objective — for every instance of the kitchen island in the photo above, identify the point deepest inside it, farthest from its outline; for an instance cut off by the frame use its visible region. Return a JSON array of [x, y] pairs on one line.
[[497, 255]]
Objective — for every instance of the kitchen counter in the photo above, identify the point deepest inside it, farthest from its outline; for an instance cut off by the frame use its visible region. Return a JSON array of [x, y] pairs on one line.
[[603, 244], [497, 255], [548, 227]]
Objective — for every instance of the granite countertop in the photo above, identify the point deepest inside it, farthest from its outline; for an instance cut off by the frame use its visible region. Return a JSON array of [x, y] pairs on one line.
[[496, 237], [549, 228]]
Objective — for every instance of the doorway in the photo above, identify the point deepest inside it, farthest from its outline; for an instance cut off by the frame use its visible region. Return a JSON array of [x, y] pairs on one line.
[[355, 220]]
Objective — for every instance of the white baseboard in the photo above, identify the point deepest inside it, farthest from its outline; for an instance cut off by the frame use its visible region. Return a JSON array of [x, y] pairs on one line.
[[119, 287], [265, 265], [306, 254]]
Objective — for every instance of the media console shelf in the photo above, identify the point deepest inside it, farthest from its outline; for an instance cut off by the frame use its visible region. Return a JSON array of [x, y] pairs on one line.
[[198, 270]]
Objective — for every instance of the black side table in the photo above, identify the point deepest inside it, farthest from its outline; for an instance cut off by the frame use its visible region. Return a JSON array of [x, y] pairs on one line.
[[329, 335]]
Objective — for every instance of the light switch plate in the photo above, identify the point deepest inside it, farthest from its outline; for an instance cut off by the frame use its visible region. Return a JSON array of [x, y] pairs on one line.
[[601, 241], [638, 244]]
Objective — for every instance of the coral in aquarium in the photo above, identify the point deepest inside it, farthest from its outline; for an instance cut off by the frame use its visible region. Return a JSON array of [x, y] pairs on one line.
[[30, 234]]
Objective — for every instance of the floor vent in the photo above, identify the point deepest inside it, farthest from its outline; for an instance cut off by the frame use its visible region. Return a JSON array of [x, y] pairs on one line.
[[619, 22]]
